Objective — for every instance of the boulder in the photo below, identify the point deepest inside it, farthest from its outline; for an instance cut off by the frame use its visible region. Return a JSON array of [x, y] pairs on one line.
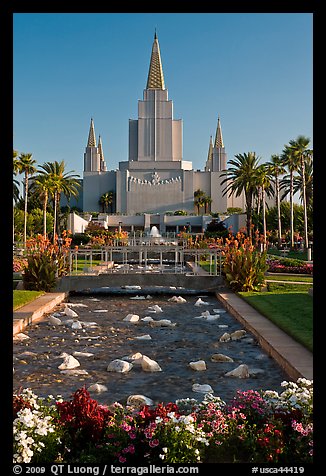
[[178, 299], [119, 365], [198, 365], [131, 318], [225, 337], [242, 371], [69, 362], [155, 308], [97, 388], [204, 388], [200, 302], [138, 401], [236, 335], [149, 365], [55, 321], [70, 312]]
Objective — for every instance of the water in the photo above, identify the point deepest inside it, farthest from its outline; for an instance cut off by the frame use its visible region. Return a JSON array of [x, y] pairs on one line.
[[171, 347]]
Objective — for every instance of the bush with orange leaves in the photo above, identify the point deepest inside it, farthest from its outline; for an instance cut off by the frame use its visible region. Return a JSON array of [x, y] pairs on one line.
[[244, 265], [46, 261]]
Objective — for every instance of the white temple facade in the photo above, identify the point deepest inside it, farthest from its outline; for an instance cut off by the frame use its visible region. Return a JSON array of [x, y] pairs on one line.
[[155, 178]]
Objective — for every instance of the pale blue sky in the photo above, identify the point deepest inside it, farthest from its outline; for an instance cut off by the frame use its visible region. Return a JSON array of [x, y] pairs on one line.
[[252, 69]]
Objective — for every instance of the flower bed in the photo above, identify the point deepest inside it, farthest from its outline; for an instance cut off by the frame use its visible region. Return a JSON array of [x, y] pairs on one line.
[[289, 266], [254, 427]]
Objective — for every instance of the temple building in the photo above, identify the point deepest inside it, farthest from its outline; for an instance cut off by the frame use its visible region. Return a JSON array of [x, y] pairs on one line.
[[155, 179]]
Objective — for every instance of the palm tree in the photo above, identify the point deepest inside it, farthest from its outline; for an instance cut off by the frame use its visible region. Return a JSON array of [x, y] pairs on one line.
[[263, 182], [241, 178], [199, 199], [290, 160], [277, 168], [207, 202], [61, 182], [107, 200], [300, 150], [25, 165], [41, 185]]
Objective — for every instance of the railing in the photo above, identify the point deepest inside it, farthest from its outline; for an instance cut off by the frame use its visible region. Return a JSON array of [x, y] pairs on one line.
[[140, 258]]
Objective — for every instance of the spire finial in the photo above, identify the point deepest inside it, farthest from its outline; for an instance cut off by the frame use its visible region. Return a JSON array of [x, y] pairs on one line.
[[218, 138], [91, 136], [155, 78]]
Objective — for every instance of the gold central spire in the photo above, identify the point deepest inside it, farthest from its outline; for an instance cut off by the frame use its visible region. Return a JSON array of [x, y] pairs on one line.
[[218, 137], [155, 78], [91, 136]]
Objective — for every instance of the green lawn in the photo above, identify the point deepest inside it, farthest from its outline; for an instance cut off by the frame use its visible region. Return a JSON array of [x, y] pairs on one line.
[[20, 297], [293, 254], [289, 306], [286, 277]]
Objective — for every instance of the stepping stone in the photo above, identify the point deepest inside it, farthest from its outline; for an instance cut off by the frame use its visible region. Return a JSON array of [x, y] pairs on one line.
[[225, 337], [70, 312]]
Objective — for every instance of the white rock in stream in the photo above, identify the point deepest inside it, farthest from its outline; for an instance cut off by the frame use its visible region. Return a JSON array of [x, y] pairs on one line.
[[221, 358], [225, 337], [70, 312], [131, 318], [236, 335], [155, 308], [163, 323], [204, 388], [139, 401], [75, 304], [178, 299], [134, 358], [97, 388], [137, 297], [149, 365], [119, 365], [147, 319], [82, 354], [200, 302], [144, 337], [74, 372], [76, 325], [198, 365], [242, 371], [55, 321], [69, 362], [89, 324], [100, 310]]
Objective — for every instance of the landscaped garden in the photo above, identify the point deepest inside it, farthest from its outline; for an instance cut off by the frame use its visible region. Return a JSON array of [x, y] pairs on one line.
[[254, 427]]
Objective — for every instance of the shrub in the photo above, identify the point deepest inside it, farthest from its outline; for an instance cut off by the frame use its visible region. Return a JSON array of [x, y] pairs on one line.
[[244, 265]]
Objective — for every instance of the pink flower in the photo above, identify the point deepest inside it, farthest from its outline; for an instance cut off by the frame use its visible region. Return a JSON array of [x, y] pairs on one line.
[[154, 443], [122, 459]]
